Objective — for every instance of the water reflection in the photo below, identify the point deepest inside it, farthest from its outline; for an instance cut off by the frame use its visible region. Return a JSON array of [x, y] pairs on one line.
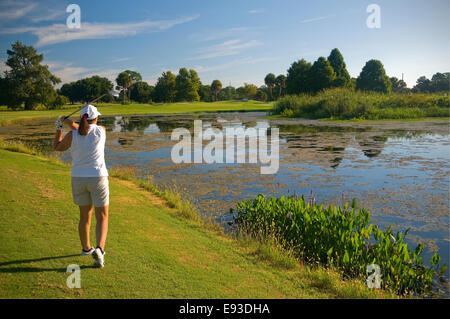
[[399, 171]]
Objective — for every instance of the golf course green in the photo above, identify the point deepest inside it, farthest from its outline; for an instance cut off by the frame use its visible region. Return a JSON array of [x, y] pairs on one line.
[[152, 251], [9, 117]]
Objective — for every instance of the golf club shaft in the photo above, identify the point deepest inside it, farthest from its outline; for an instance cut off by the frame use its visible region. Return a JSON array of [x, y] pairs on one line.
[[66, 117]]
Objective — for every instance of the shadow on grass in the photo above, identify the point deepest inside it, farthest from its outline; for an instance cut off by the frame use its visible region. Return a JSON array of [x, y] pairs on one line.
[[35, 269]]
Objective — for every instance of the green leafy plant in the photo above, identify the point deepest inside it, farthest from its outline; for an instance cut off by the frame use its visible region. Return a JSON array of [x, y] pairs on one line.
[[340, 237]]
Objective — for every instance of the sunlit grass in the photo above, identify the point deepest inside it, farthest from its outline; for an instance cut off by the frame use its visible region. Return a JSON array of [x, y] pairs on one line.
[[8, 117]]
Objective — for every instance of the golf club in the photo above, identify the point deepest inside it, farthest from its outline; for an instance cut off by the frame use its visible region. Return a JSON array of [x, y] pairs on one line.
[[111, 92]]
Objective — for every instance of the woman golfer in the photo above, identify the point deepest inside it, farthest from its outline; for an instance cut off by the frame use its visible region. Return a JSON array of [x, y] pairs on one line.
[[89, 176]]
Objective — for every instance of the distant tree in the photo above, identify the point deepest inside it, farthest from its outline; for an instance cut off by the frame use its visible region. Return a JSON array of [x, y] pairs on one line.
[[373, 78], [141, 92], [321, 75], [186, 86], [270, 81], [280, 83], [205, 93], [337, 62], [27, 81], [126, 79], [398, 86], [423, 85], [248, 91], [297, 77], [228, 93], [216, 86], [195, 79], [68, 90], [87, 89], [58, 102], [165, 88], [440, 82], [261, 96]]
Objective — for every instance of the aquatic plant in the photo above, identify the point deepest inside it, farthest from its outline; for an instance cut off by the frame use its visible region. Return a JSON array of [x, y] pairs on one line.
[[341, 103], [340, 237]]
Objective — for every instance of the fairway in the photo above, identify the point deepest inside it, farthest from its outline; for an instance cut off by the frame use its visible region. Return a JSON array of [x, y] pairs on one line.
[[151, 251], [8, 117]]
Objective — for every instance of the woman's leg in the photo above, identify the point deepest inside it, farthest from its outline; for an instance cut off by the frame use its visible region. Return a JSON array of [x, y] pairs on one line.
[[101, 228], [84, 226]]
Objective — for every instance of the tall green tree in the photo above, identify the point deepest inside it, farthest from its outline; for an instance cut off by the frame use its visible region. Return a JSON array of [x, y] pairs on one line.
[[27, 81], [228, 93], [423, 85], [297, 80], [165, 89], [373, 78], [216, 86], [248, 91], [270, 81], [398, 86], [126, 79], [205, 93], [321, 75], [337, 62], [261, 96], [440, 82], [280, 83], [141, 92], [87, 89], [187, 86]]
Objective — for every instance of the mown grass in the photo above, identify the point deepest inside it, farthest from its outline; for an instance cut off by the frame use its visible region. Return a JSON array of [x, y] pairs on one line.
[[345, 104], [153, 250], [8, 117]]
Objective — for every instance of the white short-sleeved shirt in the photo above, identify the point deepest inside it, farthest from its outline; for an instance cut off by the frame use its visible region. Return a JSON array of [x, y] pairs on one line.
[[88, 153]]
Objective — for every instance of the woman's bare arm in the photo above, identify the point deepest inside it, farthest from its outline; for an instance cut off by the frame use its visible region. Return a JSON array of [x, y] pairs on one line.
[[61, 144]]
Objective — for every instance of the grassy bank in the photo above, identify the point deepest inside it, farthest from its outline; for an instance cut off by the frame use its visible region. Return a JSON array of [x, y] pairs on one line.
[[9, 117], [153, 249], [345, 104]]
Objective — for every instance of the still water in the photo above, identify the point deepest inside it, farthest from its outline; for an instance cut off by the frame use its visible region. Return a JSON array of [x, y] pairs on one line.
[[399, 171]]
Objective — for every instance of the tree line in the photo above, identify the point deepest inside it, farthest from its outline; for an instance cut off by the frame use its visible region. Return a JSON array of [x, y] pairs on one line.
[[27, 83], [331, 72]]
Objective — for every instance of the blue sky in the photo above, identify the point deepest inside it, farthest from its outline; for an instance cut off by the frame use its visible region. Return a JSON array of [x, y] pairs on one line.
[[233, 41]]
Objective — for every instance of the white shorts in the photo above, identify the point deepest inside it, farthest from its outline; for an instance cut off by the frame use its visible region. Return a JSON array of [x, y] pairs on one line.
[[90, 190]]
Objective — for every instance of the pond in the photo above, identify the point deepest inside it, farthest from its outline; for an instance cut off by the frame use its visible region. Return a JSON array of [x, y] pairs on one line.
[[397, 170]]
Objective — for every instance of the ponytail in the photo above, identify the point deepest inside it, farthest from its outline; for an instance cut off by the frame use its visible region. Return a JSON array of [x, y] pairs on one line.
[[84, 125]]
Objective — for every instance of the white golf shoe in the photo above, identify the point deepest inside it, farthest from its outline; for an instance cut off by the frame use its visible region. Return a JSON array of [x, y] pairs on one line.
[[99, 258], [87, 253]]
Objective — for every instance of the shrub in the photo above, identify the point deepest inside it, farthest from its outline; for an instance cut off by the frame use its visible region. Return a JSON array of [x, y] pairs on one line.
[[342, 103], [337, 236]]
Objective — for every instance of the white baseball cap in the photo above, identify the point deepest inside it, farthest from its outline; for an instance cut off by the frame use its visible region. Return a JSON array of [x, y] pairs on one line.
[[91, 112]]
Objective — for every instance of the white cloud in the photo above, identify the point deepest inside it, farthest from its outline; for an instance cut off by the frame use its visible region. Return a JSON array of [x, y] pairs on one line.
[[58, 33], [256, 11], [313, 19], [50, 15], [10, 10], [227, 48], [230, 32], [121, 59], [66, 71]]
